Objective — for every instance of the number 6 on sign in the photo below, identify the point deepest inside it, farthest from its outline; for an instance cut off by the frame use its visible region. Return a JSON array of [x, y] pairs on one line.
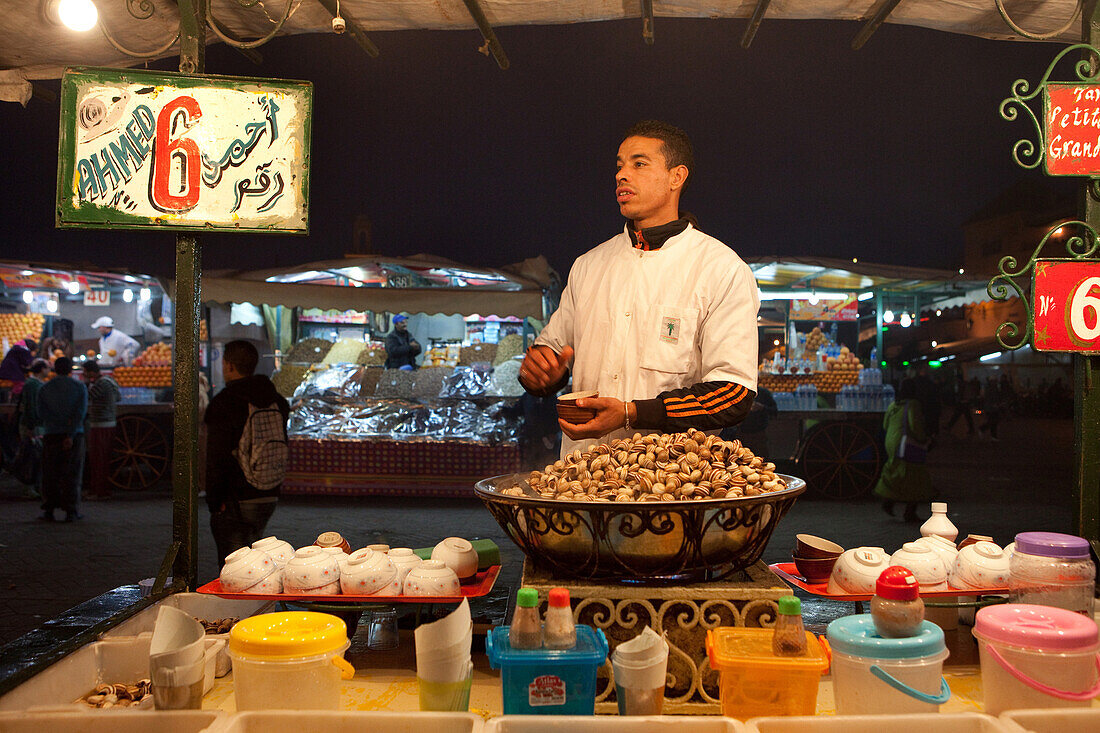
[[1084, 299], [167, 152], [1066, 305]]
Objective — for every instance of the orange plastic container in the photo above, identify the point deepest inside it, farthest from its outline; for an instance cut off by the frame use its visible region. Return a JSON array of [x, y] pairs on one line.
[[754, 682]]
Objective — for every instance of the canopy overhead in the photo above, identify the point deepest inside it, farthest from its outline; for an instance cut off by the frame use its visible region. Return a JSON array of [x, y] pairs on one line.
[[419, 284], [826, 273], [34, 47]]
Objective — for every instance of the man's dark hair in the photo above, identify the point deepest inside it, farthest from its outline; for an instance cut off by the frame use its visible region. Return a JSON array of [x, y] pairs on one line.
[[243, 356], [675, 144], [39, 365], [63, 366], [91, 367], [31, 345]]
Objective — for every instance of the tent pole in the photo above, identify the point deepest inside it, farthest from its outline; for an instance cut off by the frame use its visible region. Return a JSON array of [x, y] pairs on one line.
[[872, 25], [754, 22]]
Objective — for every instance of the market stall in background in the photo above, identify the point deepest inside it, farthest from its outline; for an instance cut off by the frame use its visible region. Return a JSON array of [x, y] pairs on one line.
[[357, 427]]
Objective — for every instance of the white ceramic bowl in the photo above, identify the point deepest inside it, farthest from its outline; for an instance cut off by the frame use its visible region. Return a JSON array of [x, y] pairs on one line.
[[368, 572], [979, 566], [924, 563], [245, 568], [943, 547], [311, 569], [432, 578], [856, 570], [340, 555], [280, 550], [379, 548], [270, 585], [404, 560], [457, 554]]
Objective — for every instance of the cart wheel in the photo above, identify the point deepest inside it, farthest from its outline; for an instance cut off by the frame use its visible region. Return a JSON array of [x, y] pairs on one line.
[[139, 456], [840, 460]]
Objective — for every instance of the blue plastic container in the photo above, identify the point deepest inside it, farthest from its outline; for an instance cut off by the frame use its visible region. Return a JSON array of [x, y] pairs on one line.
[[548, 681]]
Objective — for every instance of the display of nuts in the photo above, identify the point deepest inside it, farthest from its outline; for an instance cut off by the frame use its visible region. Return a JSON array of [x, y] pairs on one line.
[[656, 467], [120, 695], [219, 626]]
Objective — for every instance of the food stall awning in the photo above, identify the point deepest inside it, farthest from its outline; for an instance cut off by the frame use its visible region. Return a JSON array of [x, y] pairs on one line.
[[781, 273], [33, 47]]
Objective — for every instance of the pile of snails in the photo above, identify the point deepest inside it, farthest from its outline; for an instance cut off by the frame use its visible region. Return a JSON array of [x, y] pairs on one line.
[[656, 467], [119, 695]]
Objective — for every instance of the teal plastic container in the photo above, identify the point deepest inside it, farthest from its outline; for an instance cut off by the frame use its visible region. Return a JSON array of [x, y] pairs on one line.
[[548, 681]]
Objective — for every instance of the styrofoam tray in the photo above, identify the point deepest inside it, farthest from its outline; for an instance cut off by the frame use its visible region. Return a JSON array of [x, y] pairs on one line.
[[915, 723], [123, 660], [199, 605], [110, 721], [1051, 720], [612, 724], [335, 721]]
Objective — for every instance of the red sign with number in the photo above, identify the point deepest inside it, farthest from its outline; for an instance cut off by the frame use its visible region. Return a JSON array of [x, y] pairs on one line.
[[1066, 306]]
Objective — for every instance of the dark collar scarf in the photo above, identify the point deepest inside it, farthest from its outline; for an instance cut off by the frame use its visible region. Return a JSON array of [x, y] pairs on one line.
[[651, 238]]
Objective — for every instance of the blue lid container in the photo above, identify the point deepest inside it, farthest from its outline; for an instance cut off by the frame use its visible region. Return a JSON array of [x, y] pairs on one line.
[[856, 637], [548, 681]]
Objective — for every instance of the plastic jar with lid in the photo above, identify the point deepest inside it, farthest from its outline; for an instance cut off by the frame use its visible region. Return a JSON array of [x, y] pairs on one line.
[[1052, 569]]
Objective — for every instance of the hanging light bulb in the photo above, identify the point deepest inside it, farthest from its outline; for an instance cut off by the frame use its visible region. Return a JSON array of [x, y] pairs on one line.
[[78, 15], [51, 305], [128, 295], [888, 316], [939, 312], [906, 320], [74, 287], [28, 296], [813, 297], [146, 294], [935, 343]]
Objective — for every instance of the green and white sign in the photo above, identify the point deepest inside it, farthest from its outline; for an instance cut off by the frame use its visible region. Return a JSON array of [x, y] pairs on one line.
[[145, 149]]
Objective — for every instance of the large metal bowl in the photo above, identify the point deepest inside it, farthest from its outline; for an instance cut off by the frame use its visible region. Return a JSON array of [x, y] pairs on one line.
[[669, 541]]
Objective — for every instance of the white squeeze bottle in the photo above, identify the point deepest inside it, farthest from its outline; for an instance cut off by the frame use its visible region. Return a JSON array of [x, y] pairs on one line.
[[939, 524]]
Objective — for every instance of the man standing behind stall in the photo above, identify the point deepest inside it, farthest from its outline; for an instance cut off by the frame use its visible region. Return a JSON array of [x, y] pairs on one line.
[[660, 319], [115, 347], [240, 508], [401, 347], [62, 405]]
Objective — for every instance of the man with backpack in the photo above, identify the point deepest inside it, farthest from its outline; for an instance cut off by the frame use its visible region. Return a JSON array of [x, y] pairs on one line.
[[246, 451]]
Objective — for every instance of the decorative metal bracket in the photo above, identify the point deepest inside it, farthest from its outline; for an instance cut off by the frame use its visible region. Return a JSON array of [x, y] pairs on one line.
[[1082, 245], [1038, 36], [1025, 149]]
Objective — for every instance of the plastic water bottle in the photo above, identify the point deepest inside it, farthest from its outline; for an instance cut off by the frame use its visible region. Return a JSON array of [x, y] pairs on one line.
[[887, 396]]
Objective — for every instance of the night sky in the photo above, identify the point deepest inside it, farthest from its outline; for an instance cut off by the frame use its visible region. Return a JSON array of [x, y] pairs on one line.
[[802, 146]]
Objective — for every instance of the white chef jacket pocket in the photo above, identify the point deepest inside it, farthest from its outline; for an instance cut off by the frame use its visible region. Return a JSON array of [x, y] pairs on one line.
[[669, 338]]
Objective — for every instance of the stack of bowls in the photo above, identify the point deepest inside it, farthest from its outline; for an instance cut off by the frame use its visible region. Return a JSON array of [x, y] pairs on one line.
[[815, 557]]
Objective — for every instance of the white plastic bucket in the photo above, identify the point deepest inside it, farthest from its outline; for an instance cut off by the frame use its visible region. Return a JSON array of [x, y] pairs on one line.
[[1014, 678], [868, 686]]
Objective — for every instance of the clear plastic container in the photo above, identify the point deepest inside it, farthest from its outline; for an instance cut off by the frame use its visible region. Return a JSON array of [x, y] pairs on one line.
[[1052, 569]]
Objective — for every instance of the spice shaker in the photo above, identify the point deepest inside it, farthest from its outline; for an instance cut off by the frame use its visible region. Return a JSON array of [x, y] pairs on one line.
[[526, 629], [559, 631], [896, 608], [789, 637]]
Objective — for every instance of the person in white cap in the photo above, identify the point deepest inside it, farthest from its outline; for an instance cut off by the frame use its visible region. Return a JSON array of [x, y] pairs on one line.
[[115, 347]]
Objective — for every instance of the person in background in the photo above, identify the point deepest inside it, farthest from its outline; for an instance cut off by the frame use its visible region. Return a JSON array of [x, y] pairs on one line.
[[928, 392], [54, 348], [401, 347], [964, 398], [660, 319], [16, 364], [62, 406], [115, 347], [30, 423], [239, 511], [904, 480], [103, 397]]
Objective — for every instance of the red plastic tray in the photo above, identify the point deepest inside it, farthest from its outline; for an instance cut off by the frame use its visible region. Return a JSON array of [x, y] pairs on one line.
[[789, 572], [480, 586]]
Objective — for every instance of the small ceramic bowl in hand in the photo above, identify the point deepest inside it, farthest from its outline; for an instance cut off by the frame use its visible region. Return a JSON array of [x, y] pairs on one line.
[[245, 568], [404, 560], [857, 570], [942, 546], [280, 550], [368, 572], [809, 546], [432, 578], [459, 555], [979, 566], [312, 571], [924, 563], [568, 410]]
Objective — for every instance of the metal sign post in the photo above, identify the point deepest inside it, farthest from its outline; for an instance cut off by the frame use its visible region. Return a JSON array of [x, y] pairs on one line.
[[1064, 302]]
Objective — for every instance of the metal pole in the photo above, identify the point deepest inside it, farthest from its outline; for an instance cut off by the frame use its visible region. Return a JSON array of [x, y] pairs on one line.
[[879, 348], [185, 522], [1086, 369]]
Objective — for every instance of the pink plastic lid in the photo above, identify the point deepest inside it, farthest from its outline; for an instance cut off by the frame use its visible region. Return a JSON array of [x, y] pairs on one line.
[[1038, 627]]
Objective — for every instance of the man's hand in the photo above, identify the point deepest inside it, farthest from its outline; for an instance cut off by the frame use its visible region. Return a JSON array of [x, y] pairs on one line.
[[610, 415], [542, 368]]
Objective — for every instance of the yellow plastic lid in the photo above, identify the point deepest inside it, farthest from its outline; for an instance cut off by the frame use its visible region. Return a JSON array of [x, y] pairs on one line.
[[729, 646], [288, 634]]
